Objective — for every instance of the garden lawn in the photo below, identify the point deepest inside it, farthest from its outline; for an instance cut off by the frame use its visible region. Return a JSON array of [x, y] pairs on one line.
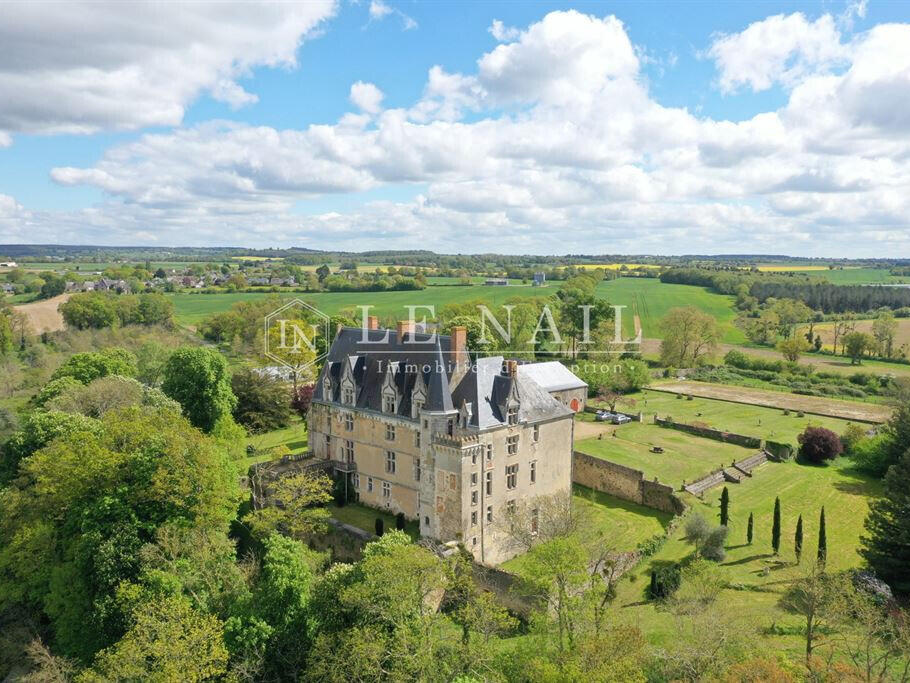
[[756, 577], [651, 299], [765, 423], [364, 517], [294, 437], [626, 524], [685, 457]]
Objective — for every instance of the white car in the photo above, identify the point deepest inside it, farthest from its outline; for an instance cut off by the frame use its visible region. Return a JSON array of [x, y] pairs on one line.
[[615, 418]]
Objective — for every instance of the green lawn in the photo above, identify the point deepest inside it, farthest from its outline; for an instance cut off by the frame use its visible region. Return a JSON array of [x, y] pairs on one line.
[[628, 524], [685, 457], [765, 423], [651, 299], [294, 437], [364, 517], [803, 490]]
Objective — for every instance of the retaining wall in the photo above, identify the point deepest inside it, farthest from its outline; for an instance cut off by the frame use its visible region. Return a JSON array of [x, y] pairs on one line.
[[623, 482], [709, 433]]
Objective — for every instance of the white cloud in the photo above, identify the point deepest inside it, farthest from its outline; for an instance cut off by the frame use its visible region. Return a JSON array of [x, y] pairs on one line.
[[780, 49], [503, 33], [366, 97], [553, 144], [5, 139], [379, 10], [81, 67]]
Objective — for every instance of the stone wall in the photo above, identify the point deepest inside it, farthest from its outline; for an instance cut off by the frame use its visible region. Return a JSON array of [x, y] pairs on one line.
[[623, 482], [709, 433], [780, 451]]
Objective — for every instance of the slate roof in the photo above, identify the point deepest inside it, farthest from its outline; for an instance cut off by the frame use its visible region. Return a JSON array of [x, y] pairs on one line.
[[420, 358]]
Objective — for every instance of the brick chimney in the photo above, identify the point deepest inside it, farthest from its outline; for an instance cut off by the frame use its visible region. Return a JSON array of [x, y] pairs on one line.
[[459, 349], [404, 327], [510, 368], [372, 322]]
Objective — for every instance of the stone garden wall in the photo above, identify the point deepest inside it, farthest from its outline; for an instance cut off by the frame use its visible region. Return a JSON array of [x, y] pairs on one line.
[[623, 482]]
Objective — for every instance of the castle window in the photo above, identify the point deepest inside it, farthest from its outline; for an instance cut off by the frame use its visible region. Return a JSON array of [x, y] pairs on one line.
[[473, 478], [417, 470], [450, 426], [355, 479], [510, 507], [370, 484], [489, 513], [535, 521], [512, 444], [390, 432], [388, 404], [489, 480], [489, 452], [390, 462], [511, 476], [347, 451], [417, 439], [386, 490], [533, 471], [328, 445], [536, 433], [418, 406], [474, 518], [348, 396], [512, 415], [349, 422], [473, 497]]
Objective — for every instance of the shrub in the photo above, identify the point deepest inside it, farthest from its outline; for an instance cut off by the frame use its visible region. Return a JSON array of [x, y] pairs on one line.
[[870, 455], [818, 444], [713, 548], [302, 398], [852, 435], [262, 401], [380, 527]]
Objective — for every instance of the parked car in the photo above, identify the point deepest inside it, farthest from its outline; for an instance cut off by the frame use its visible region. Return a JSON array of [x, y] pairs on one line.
[[615, 418]]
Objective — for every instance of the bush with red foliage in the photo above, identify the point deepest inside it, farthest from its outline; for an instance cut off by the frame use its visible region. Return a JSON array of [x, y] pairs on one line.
[[817, 444], [301, 399]]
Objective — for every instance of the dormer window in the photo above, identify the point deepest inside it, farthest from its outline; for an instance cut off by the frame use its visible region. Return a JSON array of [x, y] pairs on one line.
[[347, 396], [327, 389], [512, 415], [388, 403]]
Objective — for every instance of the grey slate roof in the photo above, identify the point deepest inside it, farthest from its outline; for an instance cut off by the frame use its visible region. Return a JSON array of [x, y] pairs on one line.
[[418, 358]]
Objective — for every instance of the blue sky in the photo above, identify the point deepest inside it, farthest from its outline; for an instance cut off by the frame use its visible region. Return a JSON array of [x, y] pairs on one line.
[[127, 175]]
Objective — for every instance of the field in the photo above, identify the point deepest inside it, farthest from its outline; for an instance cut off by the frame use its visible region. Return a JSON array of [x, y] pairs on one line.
[[755, 578], [685, 457], [847, 410], [651, 299], [751, 420], [43, 315], [615, 266], [826, 331]]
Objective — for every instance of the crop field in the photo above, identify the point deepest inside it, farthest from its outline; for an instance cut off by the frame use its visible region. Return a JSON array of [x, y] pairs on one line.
[[754, 576], [685, 458], [826, 331], [817, 405], [751, 420], [190, 309], [615, 266], [651, 299], [43, 315]]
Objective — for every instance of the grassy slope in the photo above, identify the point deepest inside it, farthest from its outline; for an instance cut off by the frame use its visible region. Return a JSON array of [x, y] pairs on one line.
[[651, 299], [767, 423], [802, 490]]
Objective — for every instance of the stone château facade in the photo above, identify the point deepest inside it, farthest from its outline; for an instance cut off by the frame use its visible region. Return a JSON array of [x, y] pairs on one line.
[[416, 426]]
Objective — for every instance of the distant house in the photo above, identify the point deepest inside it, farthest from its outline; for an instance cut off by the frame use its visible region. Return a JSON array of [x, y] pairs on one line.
[[497, 281], [540, 279], [558, 381], [8, 264], [258, 280], [107, 285], [7, 288]]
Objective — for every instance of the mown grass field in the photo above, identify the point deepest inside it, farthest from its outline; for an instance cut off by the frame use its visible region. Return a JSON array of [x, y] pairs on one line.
[[627, 524], [685, 457], [756, 577], [364, 518], [765, 423], [651, 299]]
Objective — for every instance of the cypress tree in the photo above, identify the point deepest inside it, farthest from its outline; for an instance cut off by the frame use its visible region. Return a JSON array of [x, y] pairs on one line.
[[380, 526], [653, 589], [725, 507], [749, 529], [886, 547], [775, 529], [822, 539], [798, 540]]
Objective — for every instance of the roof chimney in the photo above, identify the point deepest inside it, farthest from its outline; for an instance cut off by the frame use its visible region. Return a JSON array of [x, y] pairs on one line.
[[459, 344], [405, 327], [373, 322], [510, 368]]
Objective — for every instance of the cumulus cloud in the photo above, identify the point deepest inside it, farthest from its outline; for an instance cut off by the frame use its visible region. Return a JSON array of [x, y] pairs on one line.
[[366, 97], [553, 143], [780, 49], [503, 33], [81, 67]]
